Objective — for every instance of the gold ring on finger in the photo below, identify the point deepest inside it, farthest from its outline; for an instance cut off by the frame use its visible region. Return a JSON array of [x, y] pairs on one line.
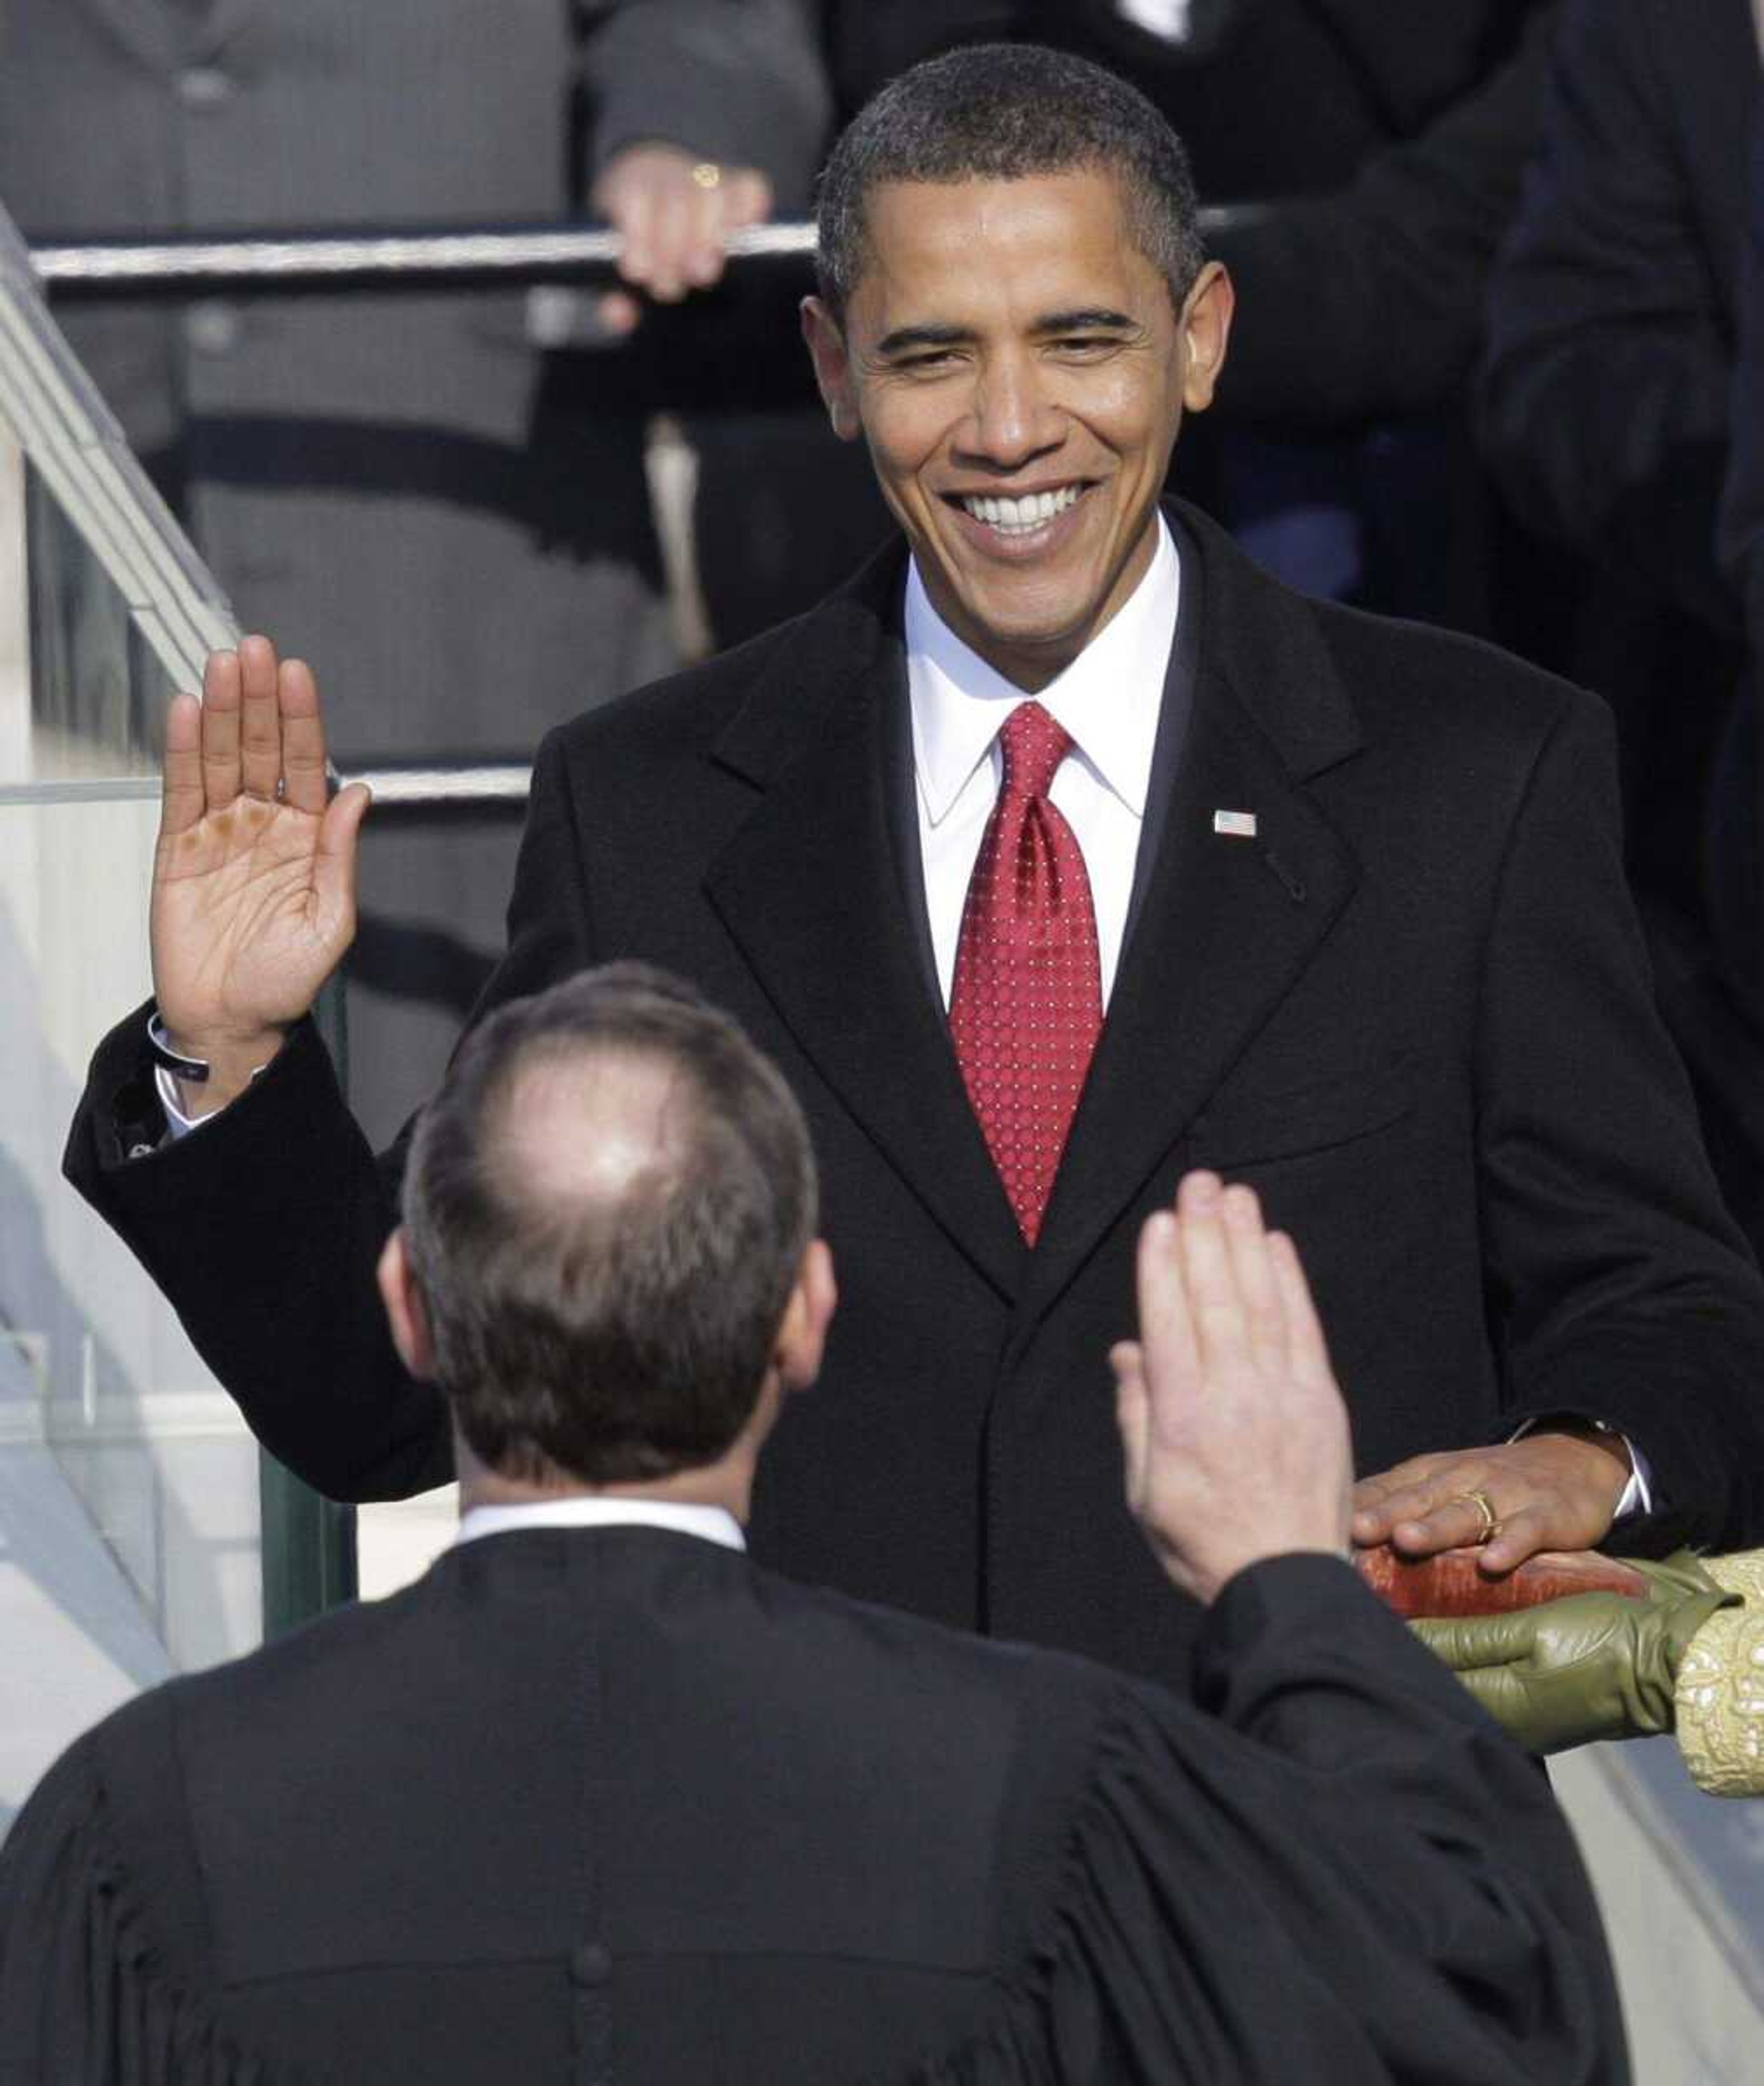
[[708, 174], [1484, 1506]]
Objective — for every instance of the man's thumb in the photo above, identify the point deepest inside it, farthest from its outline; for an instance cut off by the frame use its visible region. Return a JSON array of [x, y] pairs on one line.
[[333, 866]]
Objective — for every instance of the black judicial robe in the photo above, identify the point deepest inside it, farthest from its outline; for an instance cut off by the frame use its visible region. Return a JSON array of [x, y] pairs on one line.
[[600, 1804]]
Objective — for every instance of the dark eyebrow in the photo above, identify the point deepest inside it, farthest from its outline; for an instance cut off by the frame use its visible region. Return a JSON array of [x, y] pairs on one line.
[[921, 336], [1089, 319]]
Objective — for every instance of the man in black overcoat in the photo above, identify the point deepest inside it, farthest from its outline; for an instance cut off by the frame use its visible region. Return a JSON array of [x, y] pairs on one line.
[[600, 1798], [1360, 935]]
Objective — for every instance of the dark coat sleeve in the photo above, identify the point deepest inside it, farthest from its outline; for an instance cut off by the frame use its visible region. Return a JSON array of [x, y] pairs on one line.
[[263, 1228], [1332, 1867], [1618, 1289], [1368, 303], [1604, 399], [1742, 500], [738, 81]]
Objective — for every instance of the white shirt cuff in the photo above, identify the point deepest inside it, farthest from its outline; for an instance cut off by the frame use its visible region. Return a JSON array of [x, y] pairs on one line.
[[1638, 1493], [177, 1124]]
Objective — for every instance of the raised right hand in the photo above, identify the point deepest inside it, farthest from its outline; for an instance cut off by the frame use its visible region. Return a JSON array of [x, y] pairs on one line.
[[1235, 1434], [254, 875]]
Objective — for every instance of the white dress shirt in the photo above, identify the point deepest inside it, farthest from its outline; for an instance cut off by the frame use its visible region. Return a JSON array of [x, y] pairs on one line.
[[1109, 700], [714, 1524]]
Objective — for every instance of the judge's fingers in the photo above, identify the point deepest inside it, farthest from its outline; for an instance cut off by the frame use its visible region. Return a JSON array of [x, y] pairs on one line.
[[1133, 1414], [221, 698], [1307, 1351], [259, 727], [1170, 1359], [1222, 1331], [1252, 1270], [303, 738], [181, 798]]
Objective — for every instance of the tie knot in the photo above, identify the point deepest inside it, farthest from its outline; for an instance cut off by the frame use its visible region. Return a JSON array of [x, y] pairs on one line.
[[1033, 744]]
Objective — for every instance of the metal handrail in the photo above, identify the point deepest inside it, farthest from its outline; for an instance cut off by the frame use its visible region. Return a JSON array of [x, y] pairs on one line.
[[194, 264], [197, 264]]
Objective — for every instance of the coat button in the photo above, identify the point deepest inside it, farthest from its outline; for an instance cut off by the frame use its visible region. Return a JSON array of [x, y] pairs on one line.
[[204, 86], [591, 1964], [212, 327]]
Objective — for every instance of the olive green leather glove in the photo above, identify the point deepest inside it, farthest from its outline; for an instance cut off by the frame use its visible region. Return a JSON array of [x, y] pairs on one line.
[[1588, 1667]]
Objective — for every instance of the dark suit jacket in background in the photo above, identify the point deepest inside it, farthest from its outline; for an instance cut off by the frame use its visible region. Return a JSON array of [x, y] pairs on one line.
[[1414, 1013], [599, 1805], [1613, 330], [1612, 318]]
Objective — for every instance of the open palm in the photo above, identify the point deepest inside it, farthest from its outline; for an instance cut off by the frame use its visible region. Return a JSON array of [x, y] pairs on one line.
[[254, 875]]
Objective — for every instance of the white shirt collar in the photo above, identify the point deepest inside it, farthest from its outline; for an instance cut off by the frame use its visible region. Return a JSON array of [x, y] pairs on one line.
[[1108, 699], [715, 1524]]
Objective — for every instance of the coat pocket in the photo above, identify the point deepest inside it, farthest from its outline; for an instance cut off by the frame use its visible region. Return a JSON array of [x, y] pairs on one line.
[[1239, 1128]]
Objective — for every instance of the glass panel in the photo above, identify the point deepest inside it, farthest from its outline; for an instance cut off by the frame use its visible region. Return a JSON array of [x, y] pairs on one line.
[[130, 1517], [128, 1495], [98, 693]]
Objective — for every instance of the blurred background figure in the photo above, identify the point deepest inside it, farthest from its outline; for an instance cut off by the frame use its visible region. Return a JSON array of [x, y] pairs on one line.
[[406, 489], [1613, 323]]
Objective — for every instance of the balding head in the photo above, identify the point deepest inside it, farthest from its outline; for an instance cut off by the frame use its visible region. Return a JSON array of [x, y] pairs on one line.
[[606, 1208]]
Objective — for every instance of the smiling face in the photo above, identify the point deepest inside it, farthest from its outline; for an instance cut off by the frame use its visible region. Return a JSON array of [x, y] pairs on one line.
[[1019, 371]]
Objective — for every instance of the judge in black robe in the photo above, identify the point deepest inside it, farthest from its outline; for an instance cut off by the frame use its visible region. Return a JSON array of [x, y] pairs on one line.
[[615, 1804]]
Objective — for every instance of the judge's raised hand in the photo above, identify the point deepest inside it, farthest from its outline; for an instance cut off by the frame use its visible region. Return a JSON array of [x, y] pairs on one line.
[[1235, 1436], [1557, 1489], [254, 874]]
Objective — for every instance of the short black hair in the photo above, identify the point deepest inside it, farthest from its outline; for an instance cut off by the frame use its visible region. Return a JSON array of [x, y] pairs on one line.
[[615, 1331], [1004, 111]]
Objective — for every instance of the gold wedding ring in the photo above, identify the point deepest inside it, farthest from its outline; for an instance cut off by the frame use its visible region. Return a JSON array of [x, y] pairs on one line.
[[1484, 1506], [708, 174]]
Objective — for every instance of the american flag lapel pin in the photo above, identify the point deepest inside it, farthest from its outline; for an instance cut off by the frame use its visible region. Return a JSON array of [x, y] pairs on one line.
[[1238, 825]]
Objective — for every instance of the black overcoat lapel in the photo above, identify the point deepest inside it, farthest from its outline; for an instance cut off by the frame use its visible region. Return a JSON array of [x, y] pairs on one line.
[[810, 890], [1227, 923]]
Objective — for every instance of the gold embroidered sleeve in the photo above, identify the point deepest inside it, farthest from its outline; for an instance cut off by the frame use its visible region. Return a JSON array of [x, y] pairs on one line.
[[1720, 1686]]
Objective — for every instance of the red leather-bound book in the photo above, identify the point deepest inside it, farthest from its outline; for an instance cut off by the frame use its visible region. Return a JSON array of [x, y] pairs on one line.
[[1453, 1583]]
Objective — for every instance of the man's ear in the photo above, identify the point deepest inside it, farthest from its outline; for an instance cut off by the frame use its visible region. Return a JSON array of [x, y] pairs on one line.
[[832, 369], [405, 1310], [802, 1333], [1205, 327]]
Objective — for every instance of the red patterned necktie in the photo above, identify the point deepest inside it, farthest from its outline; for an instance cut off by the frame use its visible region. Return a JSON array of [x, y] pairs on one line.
[[1026, 1007]]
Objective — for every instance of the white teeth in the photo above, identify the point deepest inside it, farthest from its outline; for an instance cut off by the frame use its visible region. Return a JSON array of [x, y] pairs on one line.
[[1019, 516]]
